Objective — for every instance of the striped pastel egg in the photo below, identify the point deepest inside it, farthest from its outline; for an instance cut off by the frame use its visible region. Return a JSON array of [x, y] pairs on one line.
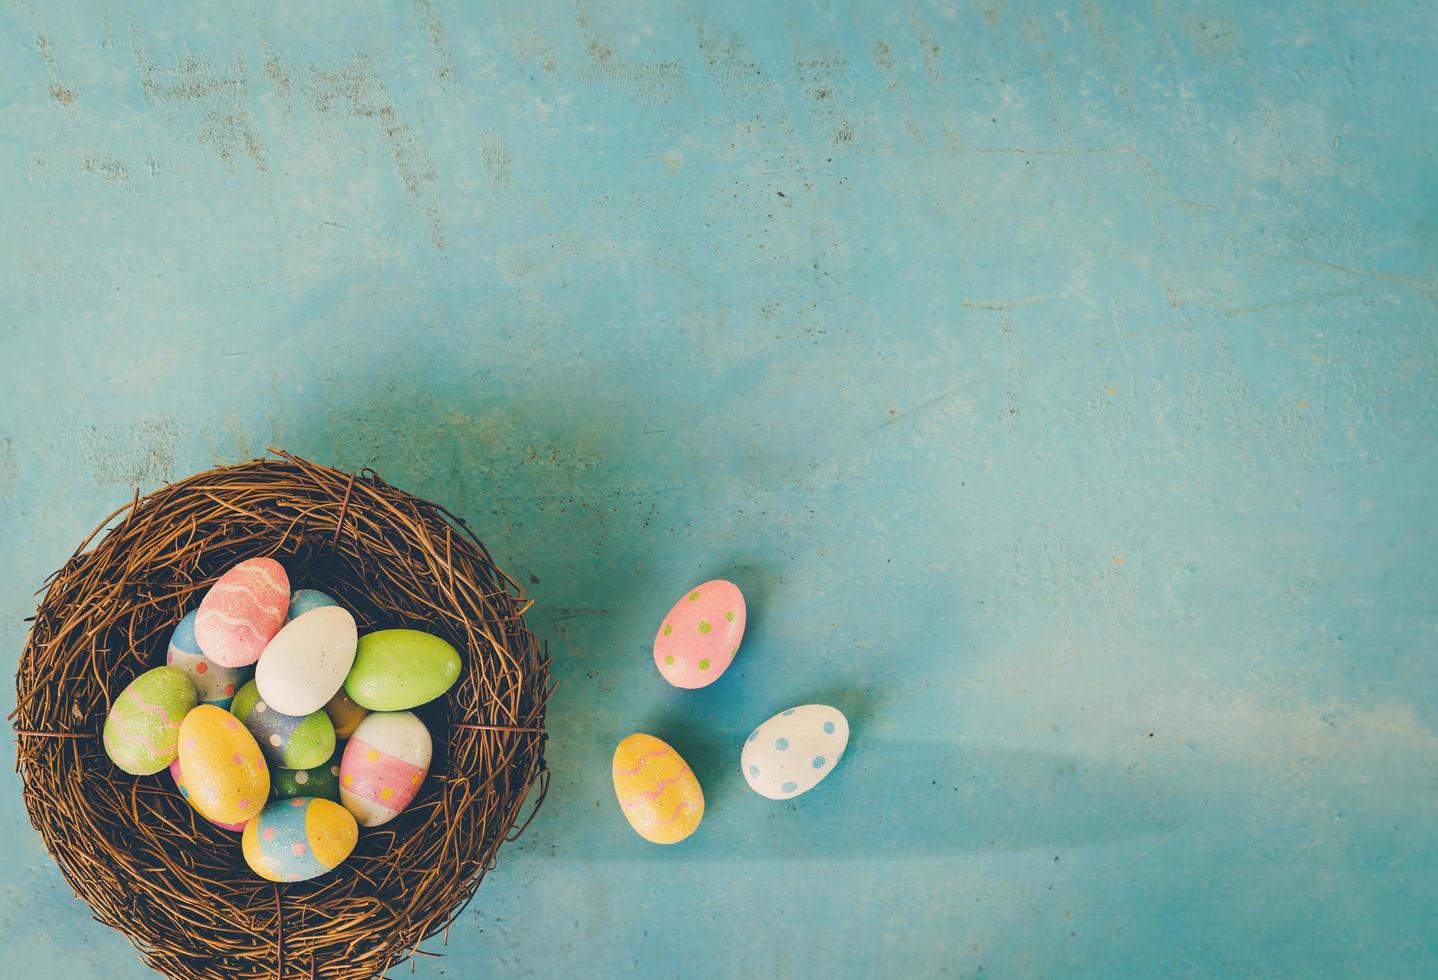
[[179, 777], [322, 780], [657, 791], [224, 770], [345, 714], [383, 766], [142, 731], [793, 751], [701, 634], [287, 740], [215, 684], [306, 599], [299, 839], [243, 611]]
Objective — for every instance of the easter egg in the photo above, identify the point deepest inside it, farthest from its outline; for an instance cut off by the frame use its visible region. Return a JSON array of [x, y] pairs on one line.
[[224, 770], [657, 790], [179, 777], [306, 599], [243, 611], [790, 753], [383, 766], [344, 713], [307, 661], [142, 731], [215, 684], [399, 669], [700, 636], [322, 780], [291, 741], [299, 839]]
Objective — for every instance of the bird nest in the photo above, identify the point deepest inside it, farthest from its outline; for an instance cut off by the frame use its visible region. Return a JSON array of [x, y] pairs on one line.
[[133, 848]]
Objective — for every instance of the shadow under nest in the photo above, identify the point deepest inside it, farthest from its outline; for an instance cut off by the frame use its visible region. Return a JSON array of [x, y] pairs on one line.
[[131, 847]]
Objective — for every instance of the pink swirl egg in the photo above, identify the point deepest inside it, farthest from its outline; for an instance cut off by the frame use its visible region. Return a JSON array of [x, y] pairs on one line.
[[242, 612]]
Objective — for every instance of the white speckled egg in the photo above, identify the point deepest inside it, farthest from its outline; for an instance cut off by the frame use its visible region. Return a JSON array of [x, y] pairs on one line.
[[306, 662], [793, 751]]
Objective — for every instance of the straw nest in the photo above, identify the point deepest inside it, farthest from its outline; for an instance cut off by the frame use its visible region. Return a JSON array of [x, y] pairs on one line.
[[134, 850]]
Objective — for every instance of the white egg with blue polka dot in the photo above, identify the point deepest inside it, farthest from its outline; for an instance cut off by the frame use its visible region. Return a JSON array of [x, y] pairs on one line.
[[792, 752]]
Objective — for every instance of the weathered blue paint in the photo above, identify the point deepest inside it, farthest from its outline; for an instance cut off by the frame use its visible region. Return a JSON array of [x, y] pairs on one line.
[[1057, 379]]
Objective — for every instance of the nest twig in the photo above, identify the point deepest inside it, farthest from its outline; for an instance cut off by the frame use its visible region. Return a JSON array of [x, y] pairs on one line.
[[134, 850]]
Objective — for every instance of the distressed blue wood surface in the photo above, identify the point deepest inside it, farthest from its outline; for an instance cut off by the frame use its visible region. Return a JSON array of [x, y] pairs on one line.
[[1057, 379]]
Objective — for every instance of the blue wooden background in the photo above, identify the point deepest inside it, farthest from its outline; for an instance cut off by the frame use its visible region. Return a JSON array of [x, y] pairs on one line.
[[1058, 379]]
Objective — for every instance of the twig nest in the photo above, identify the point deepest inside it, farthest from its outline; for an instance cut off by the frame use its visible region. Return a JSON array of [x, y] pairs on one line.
[[147, 859]]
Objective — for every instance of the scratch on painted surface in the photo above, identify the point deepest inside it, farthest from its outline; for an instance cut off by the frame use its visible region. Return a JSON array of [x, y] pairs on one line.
[[279, 79], [112, 170], [1013, 364], [59, 90], [8, 469], [822, 74], [936, 402], [1033, 33], [434, 26], [653, 81], [1425, 286], [1093, 14], [141, 454], [884, 60], [223, 95], [1012, 303], [529, 44], [931, 53], [729, 61], [495, 157], [357, 92]]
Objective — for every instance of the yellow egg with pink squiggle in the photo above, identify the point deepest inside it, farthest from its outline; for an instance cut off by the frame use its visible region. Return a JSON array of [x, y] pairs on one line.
[[657, 790]]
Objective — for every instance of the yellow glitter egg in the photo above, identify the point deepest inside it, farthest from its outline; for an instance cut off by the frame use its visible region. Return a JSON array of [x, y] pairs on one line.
[[224, 770], [657, 790]]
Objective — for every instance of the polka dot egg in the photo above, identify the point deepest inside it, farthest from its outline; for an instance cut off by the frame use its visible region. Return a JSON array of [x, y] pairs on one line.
[[298, 839], [215, 684], [224, 770], [792, 752], [384, 764], [286, 740], [322, 780], [179, 777], [700, 635]]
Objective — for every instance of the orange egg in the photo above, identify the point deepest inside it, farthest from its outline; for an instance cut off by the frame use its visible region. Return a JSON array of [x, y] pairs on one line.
[[345, 714], [657, 790]]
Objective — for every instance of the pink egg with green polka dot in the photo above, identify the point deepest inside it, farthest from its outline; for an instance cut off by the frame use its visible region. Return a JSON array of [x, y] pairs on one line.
[[700, 636]]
